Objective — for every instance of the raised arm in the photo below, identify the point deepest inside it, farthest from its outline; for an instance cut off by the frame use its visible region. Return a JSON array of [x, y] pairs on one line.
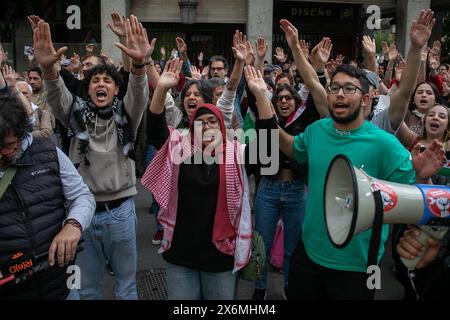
[[258, 87], [419, 34], [58, 96], [118, 27], [8, 75], [370, 48], [137, 47], [261, 49], [168, 79], [306, 71]]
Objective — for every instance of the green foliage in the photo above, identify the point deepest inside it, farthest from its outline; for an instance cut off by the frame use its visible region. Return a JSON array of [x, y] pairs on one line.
[[381, 36]]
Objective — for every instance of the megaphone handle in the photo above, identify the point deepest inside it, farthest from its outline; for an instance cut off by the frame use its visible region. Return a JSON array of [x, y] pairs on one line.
[[426, 232]]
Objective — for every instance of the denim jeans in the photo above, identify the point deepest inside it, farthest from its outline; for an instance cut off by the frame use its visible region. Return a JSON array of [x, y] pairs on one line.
[[185, 283], [112, 237], [273, 198], [73, 295]]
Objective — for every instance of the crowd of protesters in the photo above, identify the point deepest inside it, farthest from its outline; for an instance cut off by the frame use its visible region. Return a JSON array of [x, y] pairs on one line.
[[86, 129]]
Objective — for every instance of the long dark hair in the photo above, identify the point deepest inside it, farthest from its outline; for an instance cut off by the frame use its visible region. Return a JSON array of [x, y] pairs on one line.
[[292, 91], [437, 95], [205, 90]]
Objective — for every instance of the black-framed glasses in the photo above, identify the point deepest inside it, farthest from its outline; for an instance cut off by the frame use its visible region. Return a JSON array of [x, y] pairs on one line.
[[288, 97], [212, 122], [346, 88]]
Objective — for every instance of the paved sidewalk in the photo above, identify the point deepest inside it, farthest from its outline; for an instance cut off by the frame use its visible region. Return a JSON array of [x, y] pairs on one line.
[[151, 266]]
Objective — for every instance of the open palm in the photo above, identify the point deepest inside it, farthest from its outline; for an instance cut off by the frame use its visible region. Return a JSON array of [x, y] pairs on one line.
[[44, 52], [137, 41], [421, 29], [171, 75]]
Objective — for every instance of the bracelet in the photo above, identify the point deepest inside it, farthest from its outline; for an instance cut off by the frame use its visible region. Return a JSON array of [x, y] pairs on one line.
[[150, 62], [138, 66], [74, 223]]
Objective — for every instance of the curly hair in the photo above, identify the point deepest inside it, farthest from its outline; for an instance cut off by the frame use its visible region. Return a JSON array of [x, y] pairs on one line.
[[13, 119]]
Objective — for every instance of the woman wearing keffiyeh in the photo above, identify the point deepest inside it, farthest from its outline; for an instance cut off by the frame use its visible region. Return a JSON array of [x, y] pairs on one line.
[[200, 182]]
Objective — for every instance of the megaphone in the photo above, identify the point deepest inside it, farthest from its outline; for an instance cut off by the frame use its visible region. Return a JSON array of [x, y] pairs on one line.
[[349, 206]]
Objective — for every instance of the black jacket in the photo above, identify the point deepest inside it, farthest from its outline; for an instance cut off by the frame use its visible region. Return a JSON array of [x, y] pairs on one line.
[[31, 215]]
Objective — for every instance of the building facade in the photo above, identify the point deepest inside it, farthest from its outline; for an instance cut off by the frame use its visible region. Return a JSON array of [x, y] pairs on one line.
[[212, 27]]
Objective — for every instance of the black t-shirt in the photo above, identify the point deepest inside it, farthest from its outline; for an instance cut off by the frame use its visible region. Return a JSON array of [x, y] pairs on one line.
[[192, 244]]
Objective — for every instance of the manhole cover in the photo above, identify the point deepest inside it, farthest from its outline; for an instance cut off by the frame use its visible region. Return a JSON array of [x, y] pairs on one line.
[[151, 284]]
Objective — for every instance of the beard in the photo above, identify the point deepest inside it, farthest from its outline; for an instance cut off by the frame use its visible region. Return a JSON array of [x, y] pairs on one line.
[[6, 161], [349, 118]]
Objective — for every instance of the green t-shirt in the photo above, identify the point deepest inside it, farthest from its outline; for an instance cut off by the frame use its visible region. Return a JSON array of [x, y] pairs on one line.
[[382, 156]]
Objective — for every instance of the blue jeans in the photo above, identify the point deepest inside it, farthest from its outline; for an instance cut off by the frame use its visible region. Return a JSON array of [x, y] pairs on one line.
[[185, 283], [273, 198], [112, 237], [73, 295]]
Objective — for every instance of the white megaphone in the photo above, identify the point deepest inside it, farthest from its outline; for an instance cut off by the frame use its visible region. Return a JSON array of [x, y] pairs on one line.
[[349, 206]]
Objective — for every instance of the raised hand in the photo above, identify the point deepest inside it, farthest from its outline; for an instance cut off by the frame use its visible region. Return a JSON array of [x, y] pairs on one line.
[[392, 53], [205, 72], [44, 52], [436, 49], [305, 47], [321, 53], [255, 80], [162, 51], [290, 33], [424, 53], [433, 61], [3, 55], [75, 62], [196, 73], [421, 28], [33, 20], [279, 55], [261, 48], [137, 46], [171, 74], [369, 45], [239, 48], [200, 56], [427, 163], [181, 47], [118, 26], [89, 48], [9, 76], [250, 58]]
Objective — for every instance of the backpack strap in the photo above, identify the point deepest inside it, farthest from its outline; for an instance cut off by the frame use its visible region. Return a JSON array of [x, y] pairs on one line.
[[7, 178]]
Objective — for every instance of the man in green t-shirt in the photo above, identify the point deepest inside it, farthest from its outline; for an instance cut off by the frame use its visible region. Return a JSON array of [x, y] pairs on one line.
[[318, 269]]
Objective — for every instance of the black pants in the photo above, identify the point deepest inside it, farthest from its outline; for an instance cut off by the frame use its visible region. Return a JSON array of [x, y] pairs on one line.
[[310, 281]]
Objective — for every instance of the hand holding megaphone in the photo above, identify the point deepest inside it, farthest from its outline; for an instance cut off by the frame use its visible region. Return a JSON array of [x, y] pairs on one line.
[[420, 245]]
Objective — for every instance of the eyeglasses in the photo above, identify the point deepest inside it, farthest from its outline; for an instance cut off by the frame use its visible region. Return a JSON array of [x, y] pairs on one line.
[[346, 88], [287, 97], [211, 122], [216, 68]]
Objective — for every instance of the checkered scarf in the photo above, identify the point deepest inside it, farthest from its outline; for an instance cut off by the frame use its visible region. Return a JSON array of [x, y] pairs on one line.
[[83, 111], [232, 231]]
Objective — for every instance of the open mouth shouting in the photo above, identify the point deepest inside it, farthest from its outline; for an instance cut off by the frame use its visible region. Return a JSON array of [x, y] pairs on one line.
[[101, 95], [340, 107]]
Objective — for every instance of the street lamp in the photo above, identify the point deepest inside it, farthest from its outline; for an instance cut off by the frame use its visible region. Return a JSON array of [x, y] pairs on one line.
[[188, 11]]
